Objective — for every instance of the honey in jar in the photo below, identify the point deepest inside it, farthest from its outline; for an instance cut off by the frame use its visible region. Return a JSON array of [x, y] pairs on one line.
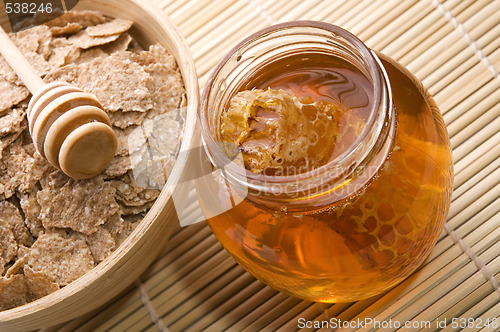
[[347, 163]]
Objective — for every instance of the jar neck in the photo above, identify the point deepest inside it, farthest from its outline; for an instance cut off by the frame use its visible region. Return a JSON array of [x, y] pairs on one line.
[[341, 177]]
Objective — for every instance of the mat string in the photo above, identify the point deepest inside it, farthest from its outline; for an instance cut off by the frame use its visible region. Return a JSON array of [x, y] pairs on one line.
[[473, 257], [262, 12], [149, 307], [472, 43]]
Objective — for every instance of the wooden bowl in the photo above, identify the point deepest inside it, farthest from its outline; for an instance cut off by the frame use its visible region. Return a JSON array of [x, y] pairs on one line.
[[140, 249]]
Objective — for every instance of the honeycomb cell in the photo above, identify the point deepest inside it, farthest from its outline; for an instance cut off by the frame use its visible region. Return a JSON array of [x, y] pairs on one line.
[[370, 224], [386, 235], [403, 225], [369, 204], [363, 240], [345, 226], [404, 245], [385, 212]]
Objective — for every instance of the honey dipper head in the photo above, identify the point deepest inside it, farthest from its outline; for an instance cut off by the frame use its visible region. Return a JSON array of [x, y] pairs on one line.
[[70, 129]]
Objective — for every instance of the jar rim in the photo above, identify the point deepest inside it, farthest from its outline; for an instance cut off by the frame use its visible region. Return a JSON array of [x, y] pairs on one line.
[[220, 159]]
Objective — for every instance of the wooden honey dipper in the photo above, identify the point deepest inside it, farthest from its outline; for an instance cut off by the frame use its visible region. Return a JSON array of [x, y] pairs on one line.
[[68, 126]]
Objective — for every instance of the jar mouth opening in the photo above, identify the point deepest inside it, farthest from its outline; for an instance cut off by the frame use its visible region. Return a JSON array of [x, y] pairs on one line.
[[219, 157]]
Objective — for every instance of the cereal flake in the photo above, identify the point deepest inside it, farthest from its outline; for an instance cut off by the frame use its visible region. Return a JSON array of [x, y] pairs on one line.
[[81, 205], [69, 29], [119, 45], [61, 259], [130, 193], [16, 267], [13, 292], [84, 41], [11, 121], [114, 27], [11, 94], [130, 140], [31, 210], [100, 243], [124, 119], [8, 244], [20, 168], [114, 225], [108, 78], [39, 284], [128, 228], [11, 217]]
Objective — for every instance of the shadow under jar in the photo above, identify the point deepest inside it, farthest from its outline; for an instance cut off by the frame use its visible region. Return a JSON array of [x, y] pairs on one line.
[[366, 218]]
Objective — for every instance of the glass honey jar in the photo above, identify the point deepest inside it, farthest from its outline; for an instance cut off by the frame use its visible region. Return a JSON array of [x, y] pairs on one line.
[[366, 215]]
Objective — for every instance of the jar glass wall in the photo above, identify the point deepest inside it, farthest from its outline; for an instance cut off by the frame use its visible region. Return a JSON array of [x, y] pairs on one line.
[[367, 218]]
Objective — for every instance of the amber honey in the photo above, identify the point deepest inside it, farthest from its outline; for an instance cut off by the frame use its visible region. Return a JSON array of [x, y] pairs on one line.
[[377, 234]]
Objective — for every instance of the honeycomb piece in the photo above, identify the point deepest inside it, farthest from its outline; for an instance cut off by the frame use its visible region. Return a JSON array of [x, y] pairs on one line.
[[279, 134]]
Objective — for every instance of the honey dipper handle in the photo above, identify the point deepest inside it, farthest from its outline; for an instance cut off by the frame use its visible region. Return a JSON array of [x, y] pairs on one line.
[[19, 64]]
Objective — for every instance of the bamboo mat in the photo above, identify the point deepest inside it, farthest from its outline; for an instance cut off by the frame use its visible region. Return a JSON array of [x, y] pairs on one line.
[[453, 46]]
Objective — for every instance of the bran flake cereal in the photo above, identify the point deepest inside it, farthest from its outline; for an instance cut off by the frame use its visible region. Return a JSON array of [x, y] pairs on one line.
[[156, 54], [55, 179], [130, 140], [127, 229], [5, 141], [61, 259], [38, 62], [7, 74], [158, 171], [122, 119], [167, 92], [114, 27], [23, 251], [33, 170], [163, 136], [119, 45], [114, 225], [33, 39], [31, 210], [101, 243], [84, 41], [13, 291], [38, 283], [11, 218], [108, 79], [11, 121], [8, 244], [11, 93], [54, 229], [20, 168], [130, 194], [35, 46], [120, 165], [92, 203], [132, 210], [166, 86], [16, 267], [62, 53], [69, 29]]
